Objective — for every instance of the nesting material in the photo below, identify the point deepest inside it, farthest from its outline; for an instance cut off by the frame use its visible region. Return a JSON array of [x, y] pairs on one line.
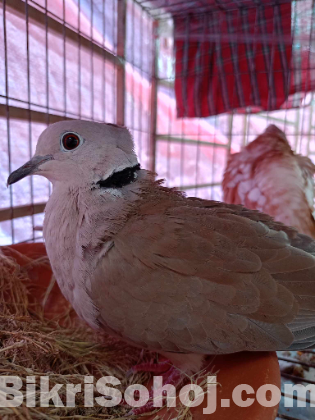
[[63, 348]]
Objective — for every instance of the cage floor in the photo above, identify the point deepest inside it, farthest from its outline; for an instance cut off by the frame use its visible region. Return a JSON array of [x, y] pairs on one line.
[[297, 368]]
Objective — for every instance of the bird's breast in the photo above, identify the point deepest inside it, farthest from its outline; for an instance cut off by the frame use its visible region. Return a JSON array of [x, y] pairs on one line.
[[61, 226], [59, 232]]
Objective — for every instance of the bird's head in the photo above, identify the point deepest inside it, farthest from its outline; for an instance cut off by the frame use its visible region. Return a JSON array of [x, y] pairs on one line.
[[81, 153], [272, 140]]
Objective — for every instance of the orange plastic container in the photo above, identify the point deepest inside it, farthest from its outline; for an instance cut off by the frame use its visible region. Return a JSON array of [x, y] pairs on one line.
[[254, 369]]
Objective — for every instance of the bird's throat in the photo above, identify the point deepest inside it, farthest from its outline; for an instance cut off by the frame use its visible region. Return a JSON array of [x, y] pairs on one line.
[[120, 179]]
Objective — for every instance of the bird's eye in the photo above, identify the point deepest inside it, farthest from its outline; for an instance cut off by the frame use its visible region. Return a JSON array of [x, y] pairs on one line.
[[70, 141]]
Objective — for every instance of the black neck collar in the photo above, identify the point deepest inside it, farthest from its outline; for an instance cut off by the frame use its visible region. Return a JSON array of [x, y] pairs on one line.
[[121, 178]]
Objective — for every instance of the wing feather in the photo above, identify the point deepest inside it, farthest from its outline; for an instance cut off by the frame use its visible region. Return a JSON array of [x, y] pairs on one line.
[[206, 278]]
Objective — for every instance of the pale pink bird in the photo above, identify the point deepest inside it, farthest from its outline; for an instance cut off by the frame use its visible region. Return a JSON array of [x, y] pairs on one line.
[[268, 176], [179, 276]]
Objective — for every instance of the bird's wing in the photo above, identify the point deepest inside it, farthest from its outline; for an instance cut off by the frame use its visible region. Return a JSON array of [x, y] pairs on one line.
[[238, 178], [308, 171], [241, 184], [205, 279]]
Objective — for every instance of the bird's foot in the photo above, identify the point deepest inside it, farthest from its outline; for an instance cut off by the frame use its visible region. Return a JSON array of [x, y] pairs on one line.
[[169, 375]]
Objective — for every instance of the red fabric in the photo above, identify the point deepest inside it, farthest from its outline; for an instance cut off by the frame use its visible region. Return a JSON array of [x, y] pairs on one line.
[[216, 75]]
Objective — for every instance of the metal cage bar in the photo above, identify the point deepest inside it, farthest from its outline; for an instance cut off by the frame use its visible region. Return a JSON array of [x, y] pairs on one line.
[[17, 108]]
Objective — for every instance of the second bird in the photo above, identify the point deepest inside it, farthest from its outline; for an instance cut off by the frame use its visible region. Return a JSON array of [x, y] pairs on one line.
[[268, 176]]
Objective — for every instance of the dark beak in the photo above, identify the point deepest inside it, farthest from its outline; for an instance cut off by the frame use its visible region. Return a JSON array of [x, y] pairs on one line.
[[28, 168]]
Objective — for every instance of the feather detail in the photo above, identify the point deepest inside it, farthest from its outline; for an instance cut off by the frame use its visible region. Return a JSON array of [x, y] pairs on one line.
[[268, 176], [230, 282]]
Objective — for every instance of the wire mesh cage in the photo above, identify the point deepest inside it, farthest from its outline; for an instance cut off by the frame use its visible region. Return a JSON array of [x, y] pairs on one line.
[[194, 81], [67, 59]]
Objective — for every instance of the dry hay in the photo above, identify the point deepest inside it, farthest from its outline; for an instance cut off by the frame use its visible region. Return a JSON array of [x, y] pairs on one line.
[[31, 345]]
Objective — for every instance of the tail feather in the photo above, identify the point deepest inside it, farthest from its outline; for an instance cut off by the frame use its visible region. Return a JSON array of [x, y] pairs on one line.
[[305, 334], [304, 242], [301, 346], [295, 327]]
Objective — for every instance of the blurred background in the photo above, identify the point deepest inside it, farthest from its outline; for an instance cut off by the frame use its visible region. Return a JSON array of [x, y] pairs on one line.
[[194, 81]]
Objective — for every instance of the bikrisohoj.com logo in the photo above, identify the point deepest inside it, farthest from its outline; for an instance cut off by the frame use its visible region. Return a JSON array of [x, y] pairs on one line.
[[37, 392]]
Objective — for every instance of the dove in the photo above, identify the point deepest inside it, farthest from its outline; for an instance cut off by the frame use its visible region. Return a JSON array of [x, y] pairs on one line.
[[183, 277], [268, 176]]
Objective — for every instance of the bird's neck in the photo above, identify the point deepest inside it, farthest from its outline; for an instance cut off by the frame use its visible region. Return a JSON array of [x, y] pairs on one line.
[[73, 208], [83, 217], [79, 223]]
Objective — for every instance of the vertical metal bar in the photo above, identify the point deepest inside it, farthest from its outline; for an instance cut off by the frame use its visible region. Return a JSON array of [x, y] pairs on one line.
[[92, 64], [8, 111], [47, 75], [197, 159], [309, 134], [47, 64], [64, 57], [306, 89], [287, 83], [182, 154], [120, 81], [213, 160], [230, 132], [297, 128], [141, 75], [154, 98], [104, 62], [245, 130], [115, 78], [201, 64], [29, 112], [170, 116], [133, 68], [79, 61]]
